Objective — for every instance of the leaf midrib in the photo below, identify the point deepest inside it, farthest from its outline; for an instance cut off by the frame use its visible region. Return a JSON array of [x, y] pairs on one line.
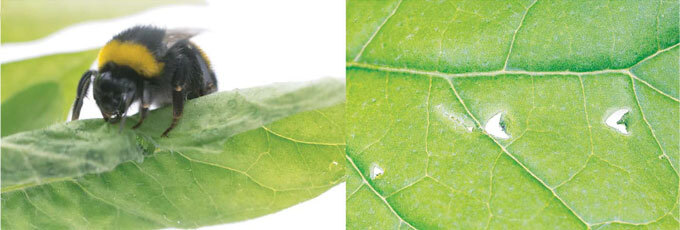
[[626, 71]]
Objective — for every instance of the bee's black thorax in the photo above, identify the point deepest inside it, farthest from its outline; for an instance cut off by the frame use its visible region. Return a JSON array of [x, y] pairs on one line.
[[148, 36]]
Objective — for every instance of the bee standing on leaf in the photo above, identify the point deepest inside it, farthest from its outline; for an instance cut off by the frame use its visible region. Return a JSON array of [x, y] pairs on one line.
[[149, 65]]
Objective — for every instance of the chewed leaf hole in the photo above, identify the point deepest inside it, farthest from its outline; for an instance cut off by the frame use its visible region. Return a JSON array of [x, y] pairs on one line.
[[496, 127], [376, 171], [619, 120], [332, 165]]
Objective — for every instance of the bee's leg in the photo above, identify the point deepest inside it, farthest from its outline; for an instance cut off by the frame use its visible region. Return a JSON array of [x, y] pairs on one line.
[[144, 104], [179, 94], [178, 98], [81, 92]]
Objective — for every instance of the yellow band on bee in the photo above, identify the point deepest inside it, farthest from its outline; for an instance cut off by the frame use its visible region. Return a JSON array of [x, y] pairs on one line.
[[133, 55], [203, 55]]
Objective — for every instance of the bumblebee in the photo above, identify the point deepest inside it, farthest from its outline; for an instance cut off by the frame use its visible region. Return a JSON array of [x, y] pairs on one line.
[[150, 65]]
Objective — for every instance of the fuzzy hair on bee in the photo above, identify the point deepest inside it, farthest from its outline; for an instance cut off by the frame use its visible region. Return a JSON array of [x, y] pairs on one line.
[[149, 65]]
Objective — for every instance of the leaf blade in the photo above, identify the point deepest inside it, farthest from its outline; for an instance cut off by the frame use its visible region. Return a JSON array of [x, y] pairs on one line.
[[251, 173], [427, 102]]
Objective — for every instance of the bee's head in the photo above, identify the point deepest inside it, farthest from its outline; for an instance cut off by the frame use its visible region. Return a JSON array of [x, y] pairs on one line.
[[113, 93]]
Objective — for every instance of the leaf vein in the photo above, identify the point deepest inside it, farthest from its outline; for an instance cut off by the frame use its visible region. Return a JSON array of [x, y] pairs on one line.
[[299, 141], [387, 68], [355, 191], [652, 87], [229, 169], [427, 127], [649, 126], [89, 193], [513, 157], [163, 193], [363, 178], [590, 135], [512, 42], [200, 187], [376, 31]]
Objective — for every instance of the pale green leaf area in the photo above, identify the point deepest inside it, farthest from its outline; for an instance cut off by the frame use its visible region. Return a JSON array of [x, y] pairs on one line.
[[234, 155], [28, 20], [39, 92], [425, 77], [32, 108]]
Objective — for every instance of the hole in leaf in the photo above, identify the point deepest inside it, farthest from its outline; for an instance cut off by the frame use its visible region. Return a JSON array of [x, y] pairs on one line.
[[496, 127], [376, 171], [619, 120], [332, 165]]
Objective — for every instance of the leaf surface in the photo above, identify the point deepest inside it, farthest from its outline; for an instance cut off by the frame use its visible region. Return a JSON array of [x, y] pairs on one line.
[[234, 156], [29, 20], [425, 79], [39, 92]]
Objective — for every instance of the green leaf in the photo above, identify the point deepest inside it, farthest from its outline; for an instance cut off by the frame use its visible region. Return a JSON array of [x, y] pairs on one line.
[[39, 92], [234, 156], [424, 79], [29, 20], [32, 108]]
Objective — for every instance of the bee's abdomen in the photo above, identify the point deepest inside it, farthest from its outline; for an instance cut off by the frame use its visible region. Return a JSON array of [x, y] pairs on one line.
[[207, 75]]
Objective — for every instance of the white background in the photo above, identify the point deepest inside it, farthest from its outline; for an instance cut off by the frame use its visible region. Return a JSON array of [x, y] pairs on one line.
[[250, 43]]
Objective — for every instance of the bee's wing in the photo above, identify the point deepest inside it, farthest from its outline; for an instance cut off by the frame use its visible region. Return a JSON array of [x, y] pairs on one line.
[[172, 36]]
